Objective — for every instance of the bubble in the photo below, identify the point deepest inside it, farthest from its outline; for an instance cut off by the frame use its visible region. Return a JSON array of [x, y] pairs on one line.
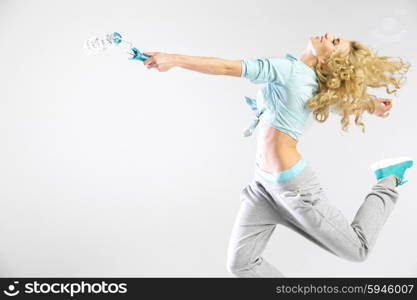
[[390, 30]]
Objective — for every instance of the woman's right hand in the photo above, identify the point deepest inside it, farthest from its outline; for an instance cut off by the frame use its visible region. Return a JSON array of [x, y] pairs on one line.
[[382, 107], [161, 61]]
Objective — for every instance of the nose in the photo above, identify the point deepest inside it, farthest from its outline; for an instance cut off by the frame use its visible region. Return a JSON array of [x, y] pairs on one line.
[[327, 35]]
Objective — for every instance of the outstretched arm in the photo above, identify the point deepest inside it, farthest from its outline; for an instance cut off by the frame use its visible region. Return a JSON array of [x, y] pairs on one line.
[[208, 65], [257, 70]]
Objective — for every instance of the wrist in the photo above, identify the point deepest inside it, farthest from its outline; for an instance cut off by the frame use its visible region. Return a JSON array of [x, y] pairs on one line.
[[177, 60], [375, 100]]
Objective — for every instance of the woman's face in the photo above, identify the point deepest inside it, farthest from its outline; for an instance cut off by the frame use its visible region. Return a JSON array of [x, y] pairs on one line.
[[322, 46]]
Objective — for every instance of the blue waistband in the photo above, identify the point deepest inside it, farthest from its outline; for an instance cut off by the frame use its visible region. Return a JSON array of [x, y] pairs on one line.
[[281, 176]]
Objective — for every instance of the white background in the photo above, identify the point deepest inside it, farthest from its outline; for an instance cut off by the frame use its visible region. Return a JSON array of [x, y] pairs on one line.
[[110, 169]]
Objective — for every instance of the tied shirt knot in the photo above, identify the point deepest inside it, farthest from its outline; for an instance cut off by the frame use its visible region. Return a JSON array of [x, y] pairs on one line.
[[258, 112]]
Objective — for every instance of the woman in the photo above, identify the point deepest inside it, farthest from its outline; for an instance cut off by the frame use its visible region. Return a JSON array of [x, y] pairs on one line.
[[331, 75]]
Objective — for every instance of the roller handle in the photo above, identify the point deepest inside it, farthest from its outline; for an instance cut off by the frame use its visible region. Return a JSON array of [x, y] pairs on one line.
[[137, 55]]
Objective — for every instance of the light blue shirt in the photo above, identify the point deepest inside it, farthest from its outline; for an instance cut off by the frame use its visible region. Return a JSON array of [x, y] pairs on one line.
[[288, 84]]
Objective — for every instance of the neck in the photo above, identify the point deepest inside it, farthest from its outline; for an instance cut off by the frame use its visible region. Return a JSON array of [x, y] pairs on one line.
[[309, 59]]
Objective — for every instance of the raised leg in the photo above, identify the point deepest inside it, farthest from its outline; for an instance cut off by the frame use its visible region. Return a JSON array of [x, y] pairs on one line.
[[322, 223]]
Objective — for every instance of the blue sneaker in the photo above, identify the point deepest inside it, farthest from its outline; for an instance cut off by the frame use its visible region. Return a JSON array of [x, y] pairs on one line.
[[392, 167]]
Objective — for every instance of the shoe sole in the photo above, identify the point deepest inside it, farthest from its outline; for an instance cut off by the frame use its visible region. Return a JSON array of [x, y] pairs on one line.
[[389, 162]]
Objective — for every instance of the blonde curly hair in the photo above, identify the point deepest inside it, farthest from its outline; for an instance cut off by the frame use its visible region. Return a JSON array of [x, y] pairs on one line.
[[343, 80]]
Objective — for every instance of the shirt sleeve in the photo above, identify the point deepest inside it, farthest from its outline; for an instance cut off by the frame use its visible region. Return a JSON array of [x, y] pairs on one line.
[[262, 70]]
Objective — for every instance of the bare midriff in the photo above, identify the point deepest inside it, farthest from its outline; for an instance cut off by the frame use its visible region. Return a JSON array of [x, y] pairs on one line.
[[276, 150]]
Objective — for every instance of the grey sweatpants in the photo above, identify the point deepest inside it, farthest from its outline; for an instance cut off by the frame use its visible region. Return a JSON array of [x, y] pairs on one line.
[[301, 204]]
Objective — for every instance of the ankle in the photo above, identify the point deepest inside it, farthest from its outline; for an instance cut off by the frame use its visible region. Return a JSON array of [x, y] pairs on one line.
[[395, 179]]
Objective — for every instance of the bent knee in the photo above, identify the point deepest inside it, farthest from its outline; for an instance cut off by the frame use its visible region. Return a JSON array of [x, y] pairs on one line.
[[232, 269], [233, 266], [359, 256], [236, 264]]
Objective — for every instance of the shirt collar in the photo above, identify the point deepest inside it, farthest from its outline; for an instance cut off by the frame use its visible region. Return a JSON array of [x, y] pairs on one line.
[[292, 57]]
